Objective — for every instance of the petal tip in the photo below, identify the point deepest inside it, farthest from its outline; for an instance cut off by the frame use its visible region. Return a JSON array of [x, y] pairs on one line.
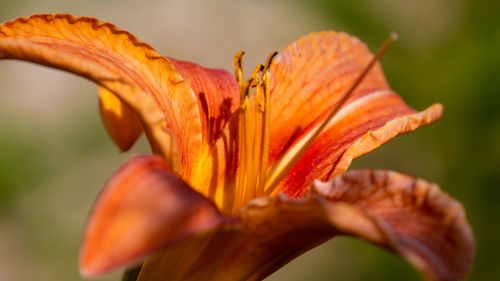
[[90, 267], [141, 210], [95, 263], [88, 271]]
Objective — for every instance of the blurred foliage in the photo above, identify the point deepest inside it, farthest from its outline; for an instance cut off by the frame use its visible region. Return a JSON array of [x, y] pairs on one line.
[[448, 53], [25, 153]]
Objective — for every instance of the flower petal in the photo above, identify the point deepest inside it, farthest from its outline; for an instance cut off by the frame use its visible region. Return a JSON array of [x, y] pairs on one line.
[[218, 96], [408, 216], [216, 177], [308, 79], [143, 208], [217, 92], [195, 258], [147, 82], [367, 126], [120, 121], [278, 229]]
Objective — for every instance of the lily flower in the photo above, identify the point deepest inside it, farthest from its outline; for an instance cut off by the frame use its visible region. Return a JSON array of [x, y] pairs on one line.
[[246, 174]]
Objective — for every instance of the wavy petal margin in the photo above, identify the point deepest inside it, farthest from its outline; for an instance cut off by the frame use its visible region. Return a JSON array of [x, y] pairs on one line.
[[362, 129], [390, 130], [113, 58], [408, 216], [142, 209]]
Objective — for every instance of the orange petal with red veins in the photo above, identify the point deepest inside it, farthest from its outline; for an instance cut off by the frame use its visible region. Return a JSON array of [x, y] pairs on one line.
[[308, 79], [120, 121], [366, 125], [217, 92], [216, 178], [113, 58], [408, 216], [142, 209]]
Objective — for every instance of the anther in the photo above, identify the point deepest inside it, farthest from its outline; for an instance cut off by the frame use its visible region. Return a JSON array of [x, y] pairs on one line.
[[269, 61], [248, 86], [238, 66], [238, 71], [255, 73]]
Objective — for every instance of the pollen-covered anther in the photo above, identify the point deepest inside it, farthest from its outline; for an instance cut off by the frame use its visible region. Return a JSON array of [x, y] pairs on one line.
[[238, 67], [269, 61]]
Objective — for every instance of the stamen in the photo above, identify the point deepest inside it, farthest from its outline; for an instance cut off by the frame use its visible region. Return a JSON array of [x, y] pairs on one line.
[[265, 131], [253, 131], [285, 164], [249, 187], [244, 141], [240, 179], [248, 86], [238, 69], [251, 124], [255, 73]]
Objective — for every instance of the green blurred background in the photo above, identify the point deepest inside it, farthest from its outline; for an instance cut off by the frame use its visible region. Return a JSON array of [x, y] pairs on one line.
[[55, 155]]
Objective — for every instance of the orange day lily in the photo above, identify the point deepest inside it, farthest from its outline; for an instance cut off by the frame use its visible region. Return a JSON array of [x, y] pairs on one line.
[[246, 174]]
